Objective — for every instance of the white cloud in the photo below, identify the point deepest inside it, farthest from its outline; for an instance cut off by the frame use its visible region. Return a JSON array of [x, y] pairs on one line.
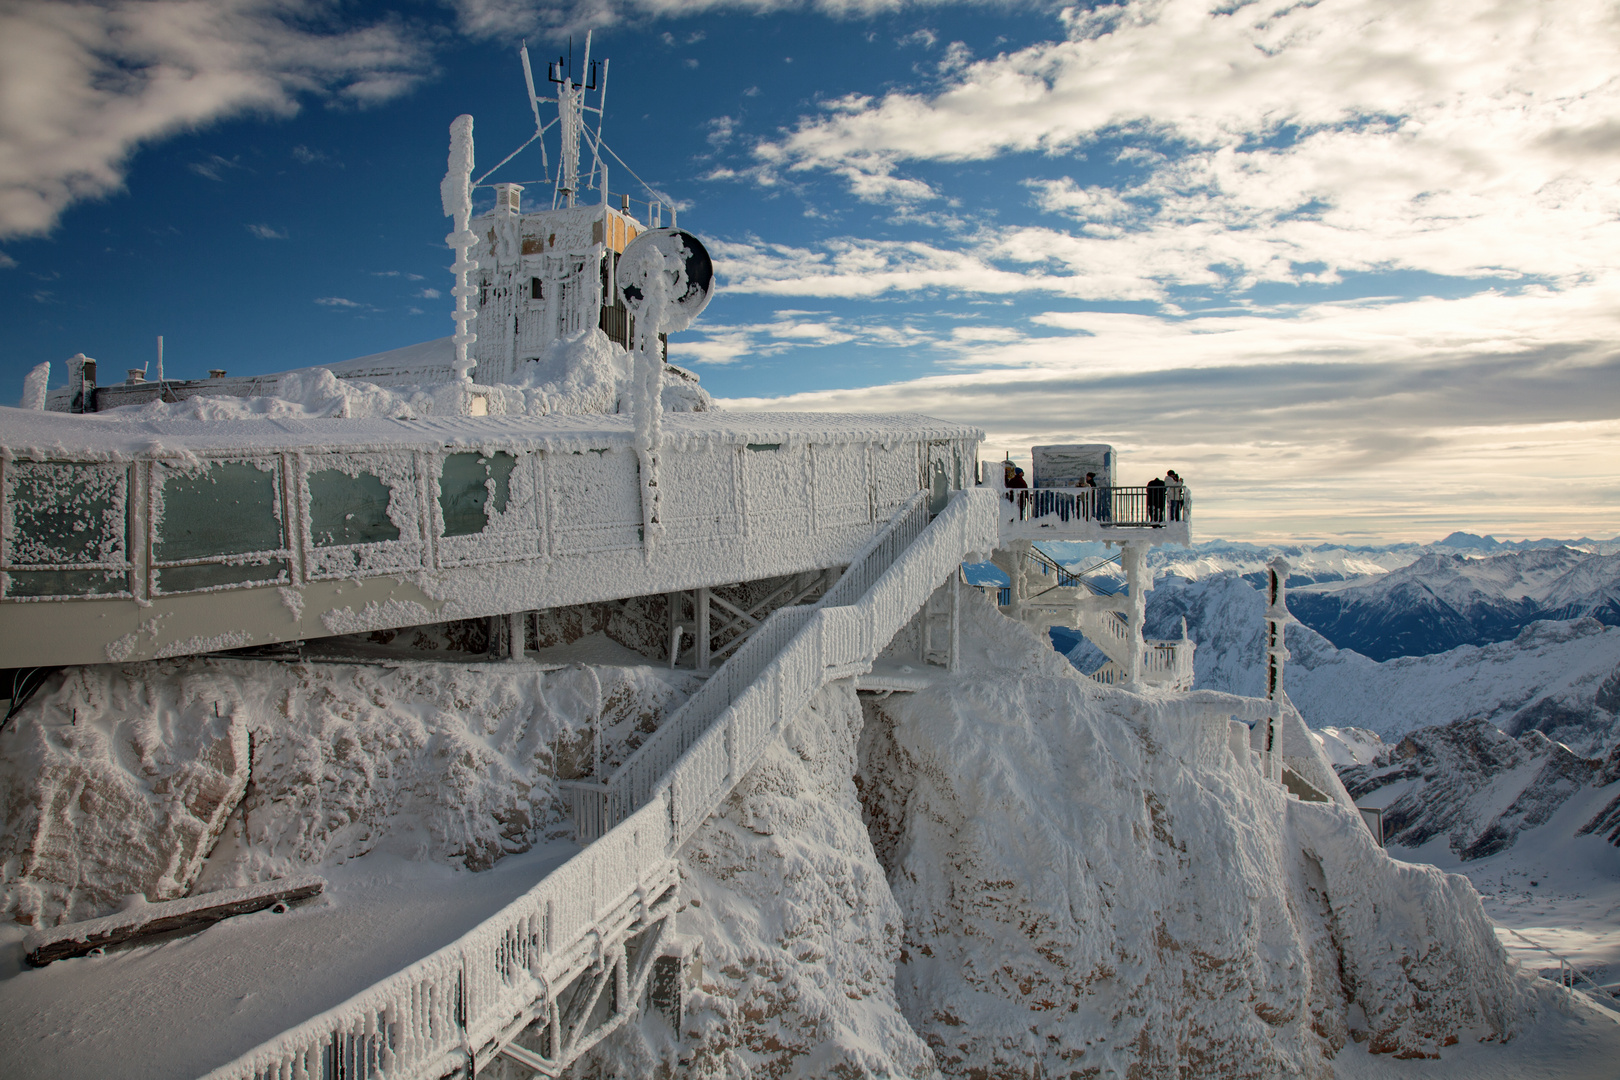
[[85, 84], [560, 18], [7, 262], [1394, 418], [1360, 134], [789, 330], [267, 232], [429, 294], [336, 302], [214, 167], [721, 129]]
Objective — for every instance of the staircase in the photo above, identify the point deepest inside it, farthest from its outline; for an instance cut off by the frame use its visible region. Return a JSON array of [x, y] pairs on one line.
[[1100, 616], [550, 975]]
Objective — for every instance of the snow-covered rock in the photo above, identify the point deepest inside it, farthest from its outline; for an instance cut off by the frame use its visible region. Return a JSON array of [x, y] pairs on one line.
[[191, 775], [799, 930], [1093, 884], [1349, 746], [1470, 782]]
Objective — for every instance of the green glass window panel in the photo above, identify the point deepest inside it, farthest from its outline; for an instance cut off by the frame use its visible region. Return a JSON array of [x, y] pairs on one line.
[[66, 582], [175, 579], [230, 509], [464, 490], [346, 509], [64, 513]]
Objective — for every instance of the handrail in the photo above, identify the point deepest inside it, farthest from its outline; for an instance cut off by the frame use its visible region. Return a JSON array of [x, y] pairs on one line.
[[1121, 506], [598, 807], [437, 1014], [1565, 964]]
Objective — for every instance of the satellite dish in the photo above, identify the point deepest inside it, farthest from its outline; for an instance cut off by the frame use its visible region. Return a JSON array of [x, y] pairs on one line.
[[687, 269]]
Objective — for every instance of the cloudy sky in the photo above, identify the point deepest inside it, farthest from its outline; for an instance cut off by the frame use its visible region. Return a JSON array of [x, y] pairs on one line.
[[1352, 267]]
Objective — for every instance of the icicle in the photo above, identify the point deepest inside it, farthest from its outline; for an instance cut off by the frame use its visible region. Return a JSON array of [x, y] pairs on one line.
[[456, 195]]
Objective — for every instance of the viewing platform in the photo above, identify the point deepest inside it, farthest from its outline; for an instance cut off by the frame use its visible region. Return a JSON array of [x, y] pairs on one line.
[[125, 539]]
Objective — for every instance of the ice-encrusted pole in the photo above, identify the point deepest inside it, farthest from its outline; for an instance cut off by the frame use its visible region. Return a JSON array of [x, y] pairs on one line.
[[456, 194], [1277, 620], [647, 382]]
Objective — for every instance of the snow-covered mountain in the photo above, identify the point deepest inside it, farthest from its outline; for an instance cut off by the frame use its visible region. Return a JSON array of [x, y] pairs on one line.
[[1480, 788], [1442, 601], [1407, 599], [1561, 678]]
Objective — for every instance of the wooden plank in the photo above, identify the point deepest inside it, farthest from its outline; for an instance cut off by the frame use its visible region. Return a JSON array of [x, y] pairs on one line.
[[149, 920]]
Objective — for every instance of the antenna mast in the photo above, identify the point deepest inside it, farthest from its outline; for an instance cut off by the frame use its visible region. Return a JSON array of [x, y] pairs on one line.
[[570, 120]]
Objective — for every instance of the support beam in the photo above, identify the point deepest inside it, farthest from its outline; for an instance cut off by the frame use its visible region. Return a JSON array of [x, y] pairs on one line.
[[704, 630], [1137, 580], [514, 635]]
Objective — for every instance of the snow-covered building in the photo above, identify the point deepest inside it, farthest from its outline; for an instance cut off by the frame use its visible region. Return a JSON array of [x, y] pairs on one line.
[[543, 486]]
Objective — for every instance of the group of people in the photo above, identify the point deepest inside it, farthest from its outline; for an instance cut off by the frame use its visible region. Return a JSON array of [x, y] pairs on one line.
[[1166, 491], [1165, 495]]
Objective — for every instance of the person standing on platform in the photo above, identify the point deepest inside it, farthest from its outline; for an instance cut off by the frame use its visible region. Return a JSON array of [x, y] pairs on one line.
[[1155, 502], [1177, 493]]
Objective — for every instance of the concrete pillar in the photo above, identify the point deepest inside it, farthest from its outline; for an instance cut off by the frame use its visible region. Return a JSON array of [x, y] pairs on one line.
[[676, 602], [956, 619], [514, 636], [1134, 561], [703, 630]]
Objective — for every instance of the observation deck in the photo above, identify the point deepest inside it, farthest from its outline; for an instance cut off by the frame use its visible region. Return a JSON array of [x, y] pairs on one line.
[[127, 540], [1116, 514]]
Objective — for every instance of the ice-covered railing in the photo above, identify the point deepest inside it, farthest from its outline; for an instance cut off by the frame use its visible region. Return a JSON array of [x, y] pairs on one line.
[[598, 807], [432, 1017], [451, 1009], [1124, 506], [1164, 663], [834, 641]]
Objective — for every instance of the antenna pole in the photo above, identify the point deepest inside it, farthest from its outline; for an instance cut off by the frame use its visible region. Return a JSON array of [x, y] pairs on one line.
[[160, 361], [596, 147]]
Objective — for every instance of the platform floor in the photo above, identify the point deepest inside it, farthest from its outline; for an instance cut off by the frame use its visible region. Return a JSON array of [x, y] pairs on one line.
[[178, 1008]]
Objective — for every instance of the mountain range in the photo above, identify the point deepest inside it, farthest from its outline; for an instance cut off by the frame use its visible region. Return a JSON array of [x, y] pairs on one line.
[[1441, 601]]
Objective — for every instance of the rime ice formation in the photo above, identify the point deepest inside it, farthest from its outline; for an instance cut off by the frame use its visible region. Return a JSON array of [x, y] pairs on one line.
[[123, 780], [35, 387], [1088, 883], [1091, 881]]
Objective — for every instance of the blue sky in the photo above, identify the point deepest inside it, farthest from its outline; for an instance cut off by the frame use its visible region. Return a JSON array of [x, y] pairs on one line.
[[1353, 267]]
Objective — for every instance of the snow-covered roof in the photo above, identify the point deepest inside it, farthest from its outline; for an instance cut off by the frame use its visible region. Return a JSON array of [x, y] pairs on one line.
[[26, 433]]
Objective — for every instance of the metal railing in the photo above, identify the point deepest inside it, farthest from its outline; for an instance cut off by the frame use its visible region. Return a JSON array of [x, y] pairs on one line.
[[1130, 507], [599, 806], [1568, 972]]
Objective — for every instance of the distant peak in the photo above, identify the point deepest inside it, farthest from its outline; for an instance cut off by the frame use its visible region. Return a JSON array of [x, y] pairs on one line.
[[1469, 540]]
